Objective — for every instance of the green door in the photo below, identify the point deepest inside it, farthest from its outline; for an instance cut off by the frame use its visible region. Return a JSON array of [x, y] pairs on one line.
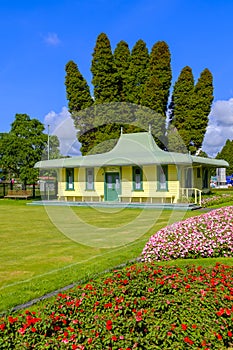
[[112, 186]]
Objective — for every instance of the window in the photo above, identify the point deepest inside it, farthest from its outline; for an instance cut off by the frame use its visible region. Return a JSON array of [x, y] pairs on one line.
[[90, 179], [137, 179], [162, 178], [70, 179], [205, 178], [198, 172]]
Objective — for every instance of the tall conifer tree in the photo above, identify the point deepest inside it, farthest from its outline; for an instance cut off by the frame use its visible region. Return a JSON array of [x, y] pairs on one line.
[[121, 58], [77, 89], [201, 106], [137, 72], [79, 99], [181, 104], [158, 84], [103, 71]]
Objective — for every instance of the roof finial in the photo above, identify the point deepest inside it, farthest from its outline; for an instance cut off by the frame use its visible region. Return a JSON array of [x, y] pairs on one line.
[[121, 130], [149, 128]]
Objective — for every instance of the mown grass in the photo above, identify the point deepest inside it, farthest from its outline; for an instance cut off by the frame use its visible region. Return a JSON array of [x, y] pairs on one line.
[[37, 258]]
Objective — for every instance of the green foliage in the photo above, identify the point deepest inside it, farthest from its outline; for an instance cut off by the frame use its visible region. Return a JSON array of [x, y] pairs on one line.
[[22, 147], [105, 79], [77, 90], [137, 72], [158, 83], [190, 107], [121, 57], [201, 106], [181, 104], [226, 153], [137, 77], [141, 306], [174, 141]]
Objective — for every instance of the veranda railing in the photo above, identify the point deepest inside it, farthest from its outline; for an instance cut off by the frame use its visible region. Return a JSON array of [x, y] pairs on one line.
[[192, 195]]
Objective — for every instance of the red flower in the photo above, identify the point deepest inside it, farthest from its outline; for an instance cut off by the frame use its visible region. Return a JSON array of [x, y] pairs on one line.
[[33, 329], [139, 316], [89, 340], [219, 336], [188, 340], [2, 326], [229, 333], [169, 333], [220, 312], [12, 319], [107, 305], [109, 325], [184, 326], [114, 338]]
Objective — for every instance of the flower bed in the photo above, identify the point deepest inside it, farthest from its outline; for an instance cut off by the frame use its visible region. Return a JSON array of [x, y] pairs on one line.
[[216, 200], [207, 235], [143, 306]]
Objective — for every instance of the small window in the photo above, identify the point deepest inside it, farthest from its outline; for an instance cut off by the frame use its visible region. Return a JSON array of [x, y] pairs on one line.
[[90, 179], [137, 179], [162, 178], [70, 179], [198, 172]]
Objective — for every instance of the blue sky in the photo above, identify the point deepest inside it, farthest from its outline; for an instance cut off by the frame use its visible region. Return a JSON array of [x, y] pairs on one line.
[[38, 38]]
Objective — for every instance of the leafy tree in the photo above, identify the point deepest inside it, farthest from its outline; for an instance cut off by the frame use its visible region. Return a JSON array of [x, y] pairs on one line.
[[54, 151], [121, 57], [226, 153], [105, 80], [137, 72], [22, 147]]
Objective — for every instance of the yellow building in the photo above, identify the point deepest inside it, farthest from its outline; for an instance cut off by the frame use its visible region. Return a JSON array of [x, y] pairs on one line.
[[135, 170]]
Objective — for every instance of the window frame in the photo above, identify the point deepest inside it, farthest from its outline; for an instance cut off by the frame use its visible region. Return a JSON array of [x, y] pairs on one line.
[[164, 168], [93, 179], [135, 184], [69, 184]]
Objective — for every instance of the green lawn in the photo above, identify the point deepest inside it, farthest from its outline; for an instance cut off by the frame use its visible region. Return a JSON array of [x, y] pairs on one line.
[[37, 257]]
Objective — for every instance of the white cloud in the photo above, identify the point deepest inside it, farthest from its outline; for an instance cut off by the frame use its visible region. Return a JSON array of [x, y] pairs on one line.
[[61, 124], [52, 39], [220, 127]]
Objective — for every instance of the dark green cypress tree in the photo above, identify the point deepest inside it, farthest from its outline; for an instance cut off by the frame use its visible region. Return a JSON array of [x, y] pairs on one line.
[[104, 75], [158, 84], [201, 105], [121, 57], [79, 101], [77, 89], [137, 72], [180, 107]]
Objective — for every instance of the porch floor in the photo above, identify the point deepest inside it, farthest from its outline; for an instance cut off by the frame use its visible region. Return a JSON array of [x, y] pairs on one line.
[[169, 206]]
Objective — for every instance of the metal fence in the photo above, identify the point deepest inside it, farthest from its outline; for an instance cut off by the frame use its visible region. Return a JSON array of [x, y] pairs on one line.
[[39, 190]]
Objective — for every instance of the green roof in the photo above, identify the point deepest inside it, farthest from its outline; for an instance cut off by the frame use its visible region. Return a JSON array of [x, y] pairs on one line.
[[131, 149]]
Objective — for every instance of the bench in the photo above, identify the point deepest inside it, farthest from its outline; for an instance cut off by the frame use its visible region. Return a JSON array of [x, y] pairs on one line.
[[150, 199], [19, 194]]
